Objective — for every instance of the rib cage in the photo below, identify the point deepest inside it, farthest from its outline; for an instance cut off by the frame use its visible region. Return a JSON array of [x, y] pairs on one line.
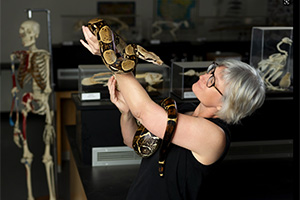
[[39, 69], [32, 65], [23, 75]]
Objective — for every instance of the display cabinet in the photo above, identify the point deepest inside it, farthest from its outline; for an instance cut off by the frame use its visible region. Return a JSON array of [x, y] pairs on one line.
[[92, 83], [272, 54], [155, 79], [184, 75], [97, 125]]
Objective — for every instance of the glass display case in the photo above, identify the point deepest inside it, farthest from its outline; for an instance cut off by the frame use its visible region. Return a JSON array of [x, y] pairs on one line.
[[272, 54], [92, 83], [155, 79], [184, 75]]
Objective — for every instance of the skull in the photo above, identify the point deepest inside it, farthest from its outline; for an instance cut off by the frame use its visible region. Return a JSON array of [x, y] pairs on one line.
[[29, 31]]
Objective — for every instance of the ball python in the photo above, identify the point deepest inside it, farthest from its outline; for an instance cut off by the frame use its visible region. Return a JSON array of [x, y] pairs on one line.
[[145, 143], [115, 53], [122, 58]]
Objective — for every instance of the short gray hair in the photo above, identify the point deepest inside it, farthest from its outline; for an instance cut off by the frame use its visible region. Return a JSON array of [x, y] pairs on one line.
[[244, 91]]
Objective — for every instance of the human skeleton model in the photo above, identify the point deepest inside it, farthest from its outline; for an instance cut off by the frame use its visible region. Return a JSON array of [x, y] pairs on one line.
[[272, 68], [35, 65], [174, 26]]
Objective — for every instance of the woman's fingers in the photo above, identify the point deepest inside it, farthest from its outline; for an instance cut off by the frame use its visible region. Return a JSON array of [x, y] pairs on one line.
[[91, 41], [86, 45], [89, 36], [111, 88]]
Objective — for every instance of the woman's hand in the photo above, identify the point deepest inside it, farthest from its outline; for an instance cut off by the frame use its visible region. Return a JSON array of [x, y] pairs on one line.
[[92, 43], [116, 96]]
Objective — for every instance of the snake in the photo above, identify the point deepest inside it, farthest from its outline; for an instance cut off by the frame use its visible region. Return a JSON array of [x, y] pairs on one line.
[[118, 56], [146, 144], [121, 58]]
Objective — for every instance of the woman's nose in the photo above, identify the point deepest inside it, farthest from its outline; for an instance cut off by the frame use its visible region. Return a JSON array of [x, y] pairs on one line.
[[204, 76]]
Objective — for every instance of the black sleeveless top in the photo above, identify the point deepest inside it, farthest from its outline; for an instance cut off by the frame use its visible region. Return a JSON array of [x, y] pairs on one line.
[[183, 178]]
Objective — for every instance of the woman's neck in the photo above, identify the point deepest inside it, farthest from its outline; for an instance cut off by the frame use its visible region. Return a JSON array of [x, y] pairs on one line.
[[203, 111]]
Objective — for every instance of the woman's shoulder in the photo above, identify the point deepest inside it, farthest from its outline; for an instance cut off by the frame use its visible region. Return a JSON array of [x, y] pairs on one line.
[[222, 124], [221, 147]]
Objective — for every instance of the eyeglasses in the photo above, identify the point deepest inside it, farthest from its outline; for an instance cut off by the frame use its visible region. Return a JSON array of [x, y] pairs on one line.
[[211, 81]]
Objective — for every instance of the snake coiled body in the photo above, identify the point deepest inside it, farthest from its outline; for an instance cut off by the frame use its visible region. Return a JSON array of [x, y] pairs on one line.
[[145, 143], [115, 53]]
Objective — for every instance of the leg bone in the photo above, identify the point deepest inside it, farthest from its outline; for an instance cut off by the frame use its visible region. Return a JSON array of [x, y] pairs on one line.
[[27, 160], [49, 135]]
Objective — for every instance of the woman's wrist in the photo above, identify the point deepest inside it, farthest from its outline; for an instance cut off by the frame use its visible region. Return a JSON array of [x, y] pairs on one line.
[[126, 114]]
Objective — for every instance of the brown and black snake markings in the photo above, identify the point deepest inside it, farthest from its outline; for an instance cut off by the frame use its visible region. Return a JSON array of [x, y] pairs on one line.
[[170, 106], [116, 54], [145, 143], [122, 58]]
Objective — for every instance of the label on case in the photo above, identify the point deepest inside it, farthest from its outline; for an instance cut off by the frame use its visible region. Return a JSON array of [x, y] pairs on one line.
[[91, 96], [189, 95]]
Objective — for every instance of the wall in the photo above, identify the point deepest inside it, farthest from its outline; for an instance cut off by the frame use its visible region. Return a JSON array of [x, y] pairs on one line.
[[207, 14], [12, 15]]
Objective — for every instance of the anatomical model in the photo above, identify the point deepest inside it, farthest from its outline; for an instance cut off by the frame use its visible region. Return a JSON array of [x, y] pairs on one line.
[[272, 68], [34, 65]]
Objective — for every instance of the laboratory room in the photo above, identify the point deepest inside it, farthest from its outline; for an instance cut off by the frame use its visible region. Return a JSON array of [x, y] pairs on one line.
[[149, 100]]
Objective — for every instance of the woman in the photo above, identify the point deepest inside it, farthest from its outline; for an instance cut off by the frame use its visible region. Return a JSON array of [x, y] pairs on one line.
[[227, 93]]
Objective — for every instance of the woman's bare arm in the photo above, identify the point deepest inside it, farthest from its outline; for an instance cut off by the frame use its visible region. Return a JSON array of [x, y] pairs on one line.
[[205, 139], [128, 128]]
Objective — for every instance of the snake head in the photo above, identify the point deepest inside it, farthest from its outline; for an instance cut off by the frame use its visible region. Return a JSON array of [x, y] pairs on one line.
[[148, 56], [95, 25]]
